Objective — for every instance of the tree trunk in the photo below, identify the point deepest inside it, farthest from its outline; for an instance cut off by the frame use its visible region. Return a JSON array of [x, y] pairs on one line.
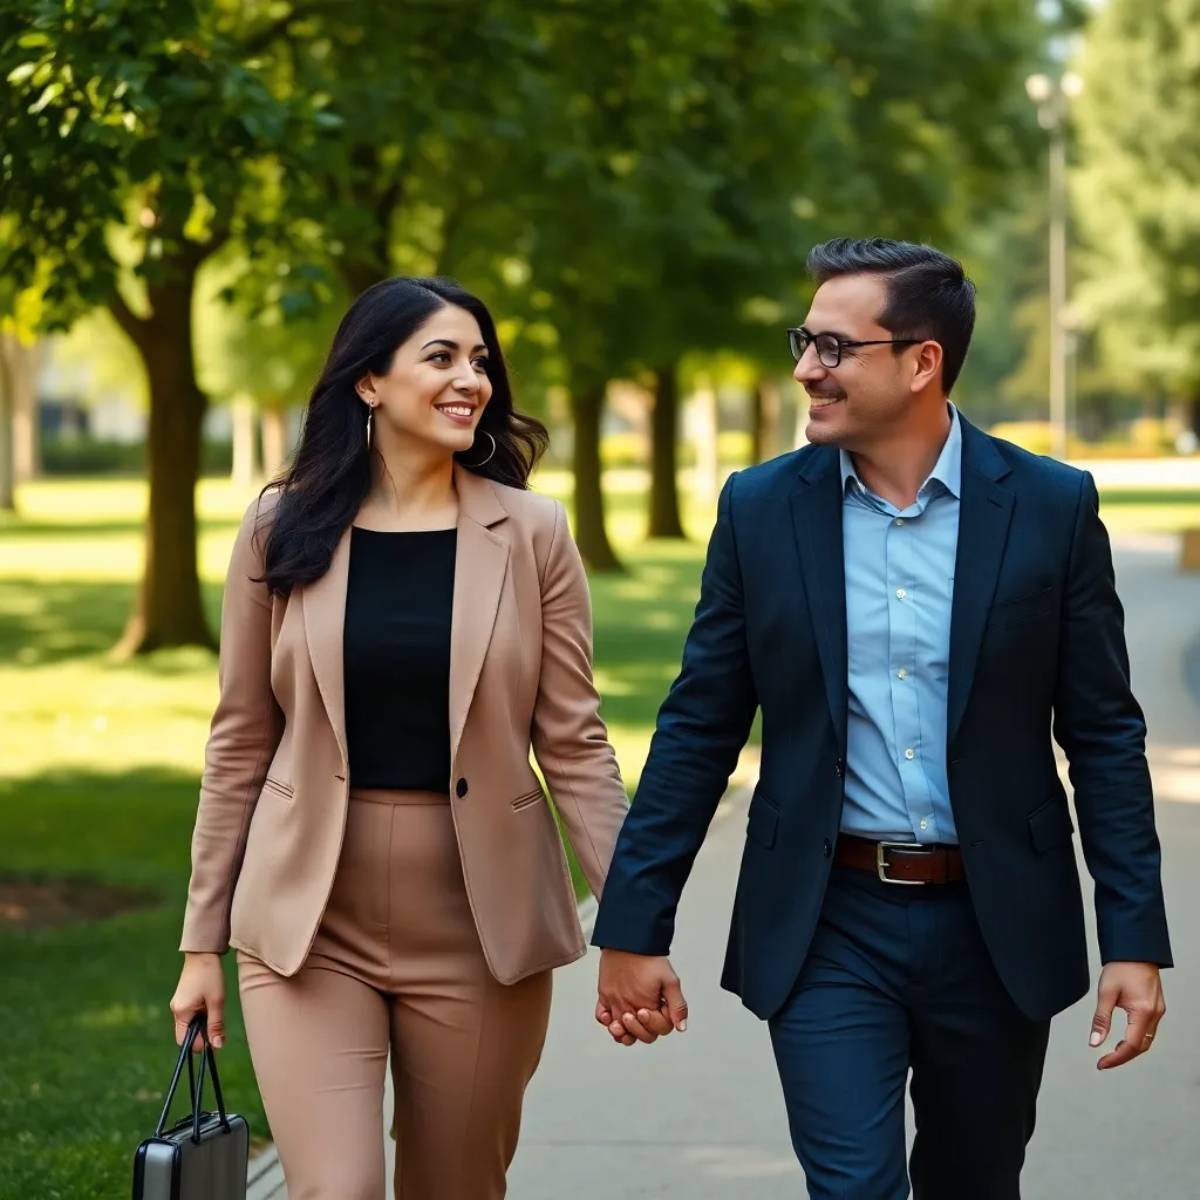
[[8, 476], [591, 536], [358, 274], [705, 437], [664, 467], [765, 406], [800, 433], [25, 364], [274, 441], [168, 611], [245, 458]]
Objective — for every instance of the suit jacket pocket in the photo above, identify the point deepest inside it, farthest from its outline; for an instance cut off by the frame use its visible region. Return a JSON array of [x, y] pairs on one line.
[[527, 800], [1024, 609], [283, 790], [762, 821], [1050, 825]]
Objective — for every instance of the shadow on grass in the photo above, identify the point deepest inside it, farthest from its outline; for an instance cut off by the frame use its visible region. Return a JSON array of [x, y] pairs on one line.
[[42, 623], [641, 620], [90, 1044], [46, 530], [1115, 497], [20, 528], [90, 999]]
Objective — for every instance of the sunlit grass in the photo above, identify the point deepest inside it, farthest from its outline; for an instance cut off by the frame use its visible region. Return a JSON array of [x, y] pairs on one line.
[[100, 762]]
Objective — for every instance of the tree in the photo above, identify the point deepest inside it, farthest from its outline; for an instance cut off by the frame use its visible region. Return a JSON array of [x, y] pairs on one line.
[[750, 167], [138, 141], [446, 170], [1135, 194], [255, 357]]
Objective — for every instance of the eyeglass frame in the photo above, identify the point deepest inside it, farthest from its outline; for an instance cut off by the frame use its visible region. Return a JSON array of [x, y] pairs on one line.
[[840, 343]]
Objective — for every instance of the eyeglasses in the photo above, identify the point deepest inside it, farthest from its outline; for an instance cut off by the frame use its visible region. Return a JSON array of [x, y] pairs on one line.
[[830, 346]]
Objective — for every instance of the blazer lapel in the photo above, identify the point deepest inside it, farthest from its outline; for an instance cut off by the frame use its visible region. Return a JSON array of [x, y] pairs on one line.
[[817, 518], [481, 561], [985, 512], [324, 628]]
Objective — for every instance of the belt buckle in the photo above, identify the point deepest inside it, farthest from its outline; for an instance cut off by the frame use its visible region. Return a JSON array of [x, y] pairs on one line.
[[881, 863]]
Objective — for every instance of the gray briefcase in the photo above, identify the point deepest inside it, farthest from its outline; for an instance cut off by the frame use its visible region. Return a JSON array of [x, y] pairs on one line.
[[204, 1155]]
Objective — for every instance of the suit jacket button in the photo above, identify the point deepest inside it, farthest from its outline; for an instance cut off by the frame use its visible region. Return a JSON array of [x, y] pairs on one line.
[[460, 788], [837, 768], [827, 848]]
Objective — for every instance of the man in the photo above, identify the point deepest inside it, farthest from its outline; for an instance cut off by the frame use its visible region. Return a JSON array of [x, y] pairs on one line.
[[915, 606]]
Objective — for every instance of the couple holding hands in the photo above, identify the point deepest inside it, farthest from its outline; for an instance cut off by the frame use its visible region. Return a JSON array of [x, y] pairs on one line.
[[914, 607]]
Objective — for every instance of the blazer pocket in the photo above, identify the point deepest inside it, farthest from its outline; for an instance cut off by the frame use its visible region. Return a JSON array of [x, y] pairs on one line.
[[1025, 608], [280, 789], [762, 821], [1050, 825], [527, 800]]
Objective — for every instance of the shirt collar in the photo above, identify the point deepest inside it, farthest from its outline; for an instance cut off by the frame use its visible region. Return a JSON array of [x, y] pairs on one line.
[[947, 470]]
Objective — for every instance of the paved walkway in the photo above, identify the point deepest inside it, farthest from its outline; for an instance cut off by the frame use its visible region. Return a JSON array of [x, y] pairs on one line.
[[699, 1115]]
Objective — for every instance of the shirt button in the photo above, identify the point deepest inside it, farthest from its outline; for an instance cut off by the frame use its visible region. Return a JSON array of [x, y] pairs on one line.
[[899, 520], [902, 673], [924, 824], [908, 753], [900, 593]]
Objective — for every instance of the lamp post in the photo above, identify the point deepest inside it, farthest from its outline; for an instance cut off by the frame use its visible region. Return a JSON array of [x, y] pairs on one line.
[[1052, 96]]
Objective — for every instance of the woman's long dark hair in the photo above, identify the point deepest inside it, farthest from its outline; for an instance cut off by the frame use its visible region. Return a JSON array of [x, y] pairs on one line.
[[331, 474]]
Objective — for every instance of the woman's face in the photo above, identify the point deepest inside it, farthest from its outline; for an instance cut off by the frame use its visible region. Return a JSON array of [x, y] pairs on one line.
[[437, 386]]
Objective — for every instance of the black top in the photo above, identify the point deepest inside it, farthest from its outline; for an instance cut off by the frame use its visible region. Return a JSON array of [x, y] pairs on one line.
[[396, 662]]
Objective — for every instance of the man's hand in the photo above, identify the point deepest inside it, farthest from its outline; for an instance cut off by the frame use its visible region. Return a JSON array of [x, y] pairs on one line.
[[639, 997], [1135, 987]]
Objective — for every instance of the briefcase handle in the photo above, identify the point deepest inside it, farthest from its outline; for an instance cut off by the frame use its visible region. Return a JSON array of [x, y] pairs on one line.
[[198, 1027]]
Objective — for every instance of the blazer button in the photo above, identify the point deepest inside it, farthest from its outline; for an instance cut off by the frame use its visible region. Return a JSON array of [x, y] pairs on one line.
[[827, 848], [460, 788], [837, 768]]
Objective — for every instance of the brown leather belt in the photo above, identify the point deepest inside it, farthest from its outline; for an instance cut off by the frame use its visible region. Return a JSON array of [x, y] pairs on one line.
[[900, 862]]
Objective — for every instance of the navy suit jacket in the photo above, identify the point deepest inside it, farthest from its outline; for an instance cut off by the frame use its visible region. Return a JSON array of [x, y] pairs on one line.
[[1037, 645]]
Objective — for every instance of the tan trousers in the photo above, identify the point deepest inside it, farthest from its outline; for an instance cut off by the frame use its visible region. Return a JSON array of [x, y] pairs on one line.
[[396, 964]]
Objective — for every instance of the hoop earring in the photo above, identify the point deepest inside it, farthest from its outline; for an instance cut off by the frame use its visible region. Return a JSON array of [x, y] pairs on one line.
[[490, 456], [370, 424]]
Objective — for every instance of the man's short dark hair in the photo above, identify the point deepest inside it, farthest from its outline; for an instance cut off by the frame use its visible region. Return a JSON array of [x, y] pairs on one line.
[[928, 294]]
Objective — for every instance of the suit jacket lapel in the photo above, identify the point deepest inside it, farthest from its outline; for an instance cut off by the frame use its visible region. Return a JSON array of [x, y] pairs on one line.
[[985, 511], [817, 519], [324, 628], [480, 564]]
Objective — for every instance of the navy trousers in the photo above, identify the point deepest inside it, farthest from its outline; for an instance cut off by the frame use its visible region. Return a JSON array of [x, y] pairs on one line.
[[898, 979]]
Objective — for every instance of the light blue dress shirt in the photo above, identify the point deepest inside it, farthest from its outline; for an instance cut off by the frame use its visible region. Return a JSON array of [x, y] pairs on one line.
[[899, 590]]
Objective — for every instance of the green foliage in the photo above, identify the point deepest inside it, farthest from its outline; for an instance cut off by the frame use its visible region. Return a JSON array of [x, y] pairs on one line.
[[95, 456], [139, 114], [1137, 190], [630, 181], [699, 150], [268, 340]]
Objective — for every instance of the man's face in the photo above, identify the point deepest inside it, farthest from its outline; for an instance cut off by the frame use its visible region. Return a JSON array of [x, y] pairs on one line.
[[868, 392]]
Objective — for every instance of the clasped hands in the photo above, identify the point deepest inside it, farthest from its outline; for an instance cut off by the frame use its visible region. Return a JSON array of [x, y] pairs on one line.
[[640, 999]]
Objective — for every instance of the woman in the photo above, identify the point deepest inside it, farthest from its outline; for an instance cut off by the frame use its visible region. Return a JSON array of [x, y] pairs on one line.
[[401, 621]]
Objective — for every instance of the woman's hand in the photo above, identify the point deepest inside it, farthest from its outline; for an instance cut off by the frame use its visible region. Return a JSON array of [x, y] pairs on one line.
[[201, 988]]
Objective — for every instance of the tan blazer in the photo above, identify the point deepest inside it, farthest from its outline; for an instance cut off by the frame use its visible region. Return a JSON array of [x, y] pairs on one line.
[[273, 797]]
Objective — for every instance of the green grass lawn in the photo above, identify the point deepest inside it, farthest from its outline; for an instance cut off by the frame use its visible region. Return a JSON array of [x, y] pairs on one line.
[[100, 768], [100, 764]]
